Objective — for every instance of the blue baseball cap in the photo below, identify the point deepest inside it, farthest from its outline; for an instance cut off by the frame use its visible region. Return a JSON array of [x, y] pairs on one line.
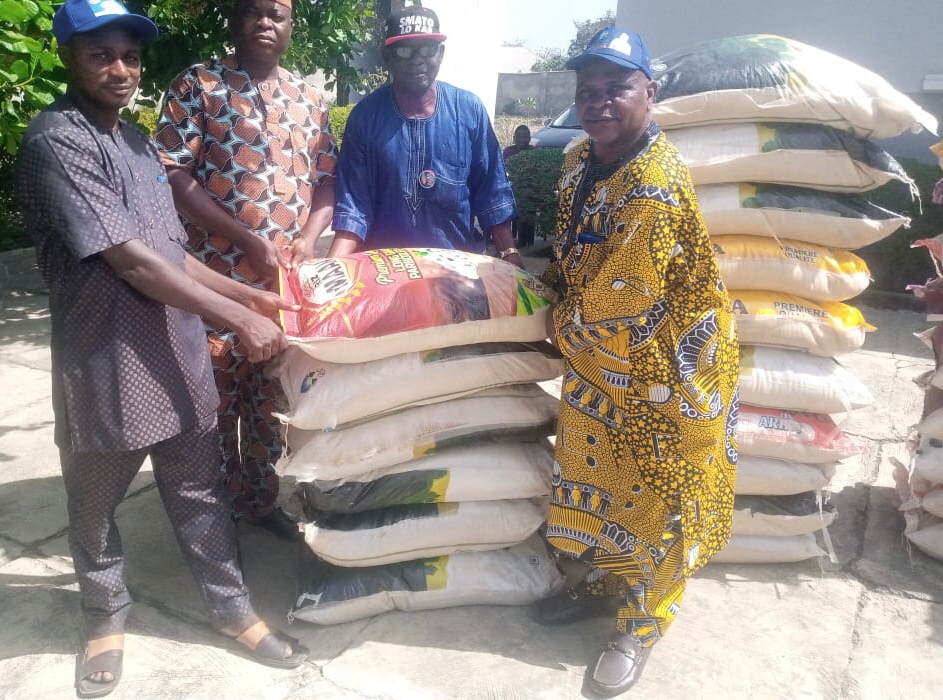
[[79, 16], [617, 46]]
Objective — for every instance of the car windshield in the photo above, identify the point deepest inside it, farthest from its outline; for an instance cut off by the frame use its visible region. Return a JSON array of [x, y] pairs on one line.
[[566, 119]]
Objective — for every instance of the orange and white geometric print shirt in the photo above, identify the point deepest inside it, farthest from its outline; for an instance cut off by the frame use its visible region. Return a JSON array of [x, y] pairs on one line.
[[258, 147]]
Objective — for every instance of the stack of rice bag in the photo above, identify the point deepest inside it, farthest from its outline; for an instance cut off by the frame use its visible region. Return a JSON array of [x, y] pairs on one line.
[[417, 433], [776, 133], [921, 486]]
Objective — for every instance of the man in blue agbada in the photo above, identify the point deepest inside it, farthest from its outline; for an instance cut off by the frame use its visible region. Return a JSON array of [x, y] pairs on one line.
[[420, 161]]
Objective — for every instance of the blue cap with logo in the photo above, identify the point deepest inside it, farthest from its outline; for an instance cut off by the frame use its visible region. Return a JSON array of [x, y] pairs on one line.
[[617, 46], [78, 16]]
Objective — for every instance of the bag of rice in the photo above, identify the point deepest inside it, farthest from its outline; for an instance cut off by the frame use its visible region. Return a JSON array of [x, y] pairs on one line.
[[805, 155], [792, 436], [798, 381], [322, 395], [928, 539], [831, 219], [792, 267], [488, 472], [762, 476], [392, 301], [763, 76], [518, 575], [780, 516], [419, 431], [927, 461], [786, 321], [402, 533], [760, 549]]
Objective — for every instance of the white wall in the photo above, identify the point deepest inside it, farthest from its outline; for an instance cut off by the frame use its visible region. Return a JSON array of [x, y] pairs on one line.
[[475, 29]]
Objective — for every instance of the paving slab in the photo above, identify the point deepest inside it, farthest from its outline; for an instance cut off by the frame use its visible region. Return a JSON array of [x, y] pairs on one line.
[[32, 496], [156, 573], [898, 650], [165, 656]]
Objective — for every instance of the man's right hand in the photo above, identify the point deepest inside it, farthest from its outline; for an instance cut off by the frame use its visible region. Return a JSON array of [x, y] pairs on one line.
[[260, 339], [266, 258]]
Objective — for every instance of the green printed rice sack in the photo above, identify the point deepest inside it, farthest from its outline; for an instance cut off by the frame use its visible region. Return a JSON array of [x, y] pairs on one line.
[[419, 431], [518, 575], [805, 155], [763, 77], [403, 533], [486, 472], [322, 395], [831, 219]]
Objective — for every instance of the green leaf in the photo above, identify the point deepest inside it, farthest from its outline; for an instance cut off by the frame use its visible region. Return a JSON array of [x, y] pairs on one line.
[[17, 11]]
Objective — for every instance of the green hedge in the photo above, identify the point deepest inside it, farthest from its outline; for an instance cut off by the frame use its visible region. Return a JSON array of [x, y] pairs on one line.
[[534, 176], [338, 117], [894, 264], [12, 233]]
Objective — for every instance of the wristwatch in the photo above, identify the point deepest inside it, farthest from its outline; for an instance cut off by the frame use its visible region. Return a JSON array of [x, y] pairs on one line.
[[507, 252]]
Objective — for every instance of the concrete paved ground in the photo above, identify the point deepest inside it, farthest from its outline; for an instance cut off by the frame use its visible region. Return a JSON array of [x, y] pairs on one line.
[[870, 626]]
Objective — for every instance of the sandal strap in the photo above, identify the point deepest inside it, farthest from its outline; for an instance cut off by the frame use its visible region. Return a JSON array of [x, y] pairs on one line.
[[105, 662]]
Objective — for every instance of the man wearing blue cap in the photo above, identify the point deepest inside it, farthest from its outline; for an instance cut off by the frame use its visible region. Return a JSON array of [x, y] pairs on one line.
[[646, 453], [131, 372]]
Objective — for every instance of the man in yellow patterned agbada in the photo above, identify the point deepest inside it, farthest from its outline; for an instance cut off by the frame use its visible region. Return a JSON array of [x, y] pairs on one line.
[[646, 449]]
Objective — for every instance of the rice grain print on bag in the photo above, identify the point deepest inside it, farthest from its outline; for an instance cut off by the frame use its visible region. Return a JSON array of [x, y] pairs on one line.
[[386, 302]]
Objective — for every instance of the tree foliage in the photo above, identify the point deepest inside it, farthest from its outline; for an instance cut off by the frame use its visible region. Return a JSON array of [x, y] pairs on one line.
[[31, 75], [555, 59], [327, 35]]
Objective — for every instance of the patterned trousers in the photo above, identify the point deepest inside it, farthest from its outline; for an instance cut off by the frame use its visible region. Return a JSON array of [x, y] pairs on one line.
[[651, 597], [250, 438], [187, 476]]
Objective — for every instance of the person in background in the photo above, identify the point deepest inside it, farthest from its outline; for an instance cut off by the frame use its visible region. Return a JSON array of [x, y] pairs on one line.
[[130, 370], [420, 162], [646, 452], [250, 156], [521, 142]]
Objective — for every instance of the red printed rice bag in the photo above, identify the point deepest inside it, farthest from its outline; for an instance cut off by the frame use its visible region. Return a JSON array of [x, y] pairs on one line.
[[792, 436], [386, 302]]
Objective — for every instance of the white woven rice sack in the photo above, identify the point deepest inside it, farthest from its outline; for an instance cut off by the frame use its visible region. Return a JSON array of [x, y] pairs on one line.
[[518, 575], [928, 459], [798, 381], [932, 501], [775, 477], [928, 540], [787, 321], [402, 533], [759, 549], [931, 426], [323, 395], [484, 472], [780, 516], [792, 436], [792, 267], [764, 76], [831, 219], [418, 431], [802, 155]]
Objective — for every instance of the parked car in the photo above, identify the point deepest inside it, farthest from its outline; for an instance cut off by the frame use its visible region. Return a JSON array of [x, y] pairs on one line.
[[559, 131]]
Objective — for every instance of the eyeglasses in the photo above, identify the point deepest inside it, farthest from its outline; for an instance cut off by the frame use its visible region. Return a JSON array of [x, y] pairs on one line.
[[404, 53]]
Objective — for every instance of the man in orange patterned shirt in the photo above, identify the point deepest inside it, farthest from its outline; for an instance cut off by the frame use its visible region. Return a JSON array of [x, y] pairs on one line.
[[250, 158]]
